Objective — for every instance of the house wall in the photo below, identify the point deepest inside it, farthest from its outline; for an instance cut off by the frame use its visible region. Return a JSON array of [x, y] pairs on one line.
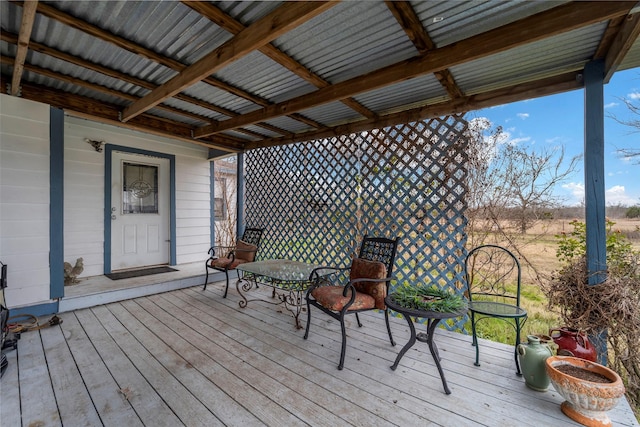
[[25, 199], [84, 192]]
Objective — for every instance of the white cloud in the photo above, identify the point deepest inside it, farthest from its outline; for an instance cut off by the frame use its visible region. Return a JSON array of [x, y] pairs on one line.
[[516, 141], [611, 105], [634, 95], [617, 195], [576, 189], [523, 116]]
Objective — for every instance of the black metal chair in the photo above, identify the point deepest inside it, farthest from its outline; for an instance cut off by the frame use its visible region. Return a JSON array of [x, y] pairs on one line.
[[366, 289], [493, 277], [225, 258]]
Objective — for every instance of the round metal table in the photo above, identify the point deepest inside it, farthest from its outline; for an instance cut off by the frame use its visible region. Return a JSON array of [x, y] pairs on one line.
[[433, 318]]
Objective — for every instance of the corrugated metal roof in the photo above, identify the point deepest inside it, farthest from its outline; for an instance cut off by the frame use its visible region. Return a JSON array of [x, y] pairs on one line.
[[561, 53], [448, 22], [415, 92], [351, 40]]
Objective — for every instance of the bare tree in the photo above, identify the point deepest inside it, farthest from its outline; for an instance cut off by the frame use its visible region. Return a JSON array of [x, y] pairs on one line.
[[634, 122], [510, 182], [225, 214], [529, 179], [483, 205]]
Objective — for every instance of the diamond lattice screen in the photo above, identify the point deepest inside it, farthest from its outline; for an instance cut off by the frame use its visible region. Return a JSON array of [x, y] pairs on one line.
[[316, 200]]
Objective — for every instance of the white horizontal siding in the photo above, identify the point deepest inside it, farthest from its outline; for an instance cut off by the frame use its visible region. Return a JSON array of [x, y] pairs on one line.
[[193, 208], [84, 192], [24, 200], [24, 195], [83, 198]]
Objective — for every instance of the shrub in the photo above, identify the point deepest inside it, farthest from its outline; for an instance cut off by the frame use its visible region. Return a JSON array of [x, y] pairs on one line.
[[633, 212], [612, 306]]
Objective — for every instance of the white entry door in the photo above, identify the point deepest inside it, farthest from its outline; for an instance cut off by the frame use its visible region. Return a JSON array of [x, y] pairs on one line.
[[140, 214]]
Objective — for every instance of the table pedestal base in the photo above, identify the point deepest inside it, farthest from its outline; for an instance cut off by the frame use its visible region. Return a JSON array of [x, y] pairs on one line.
[[291, 298], [428, 338]]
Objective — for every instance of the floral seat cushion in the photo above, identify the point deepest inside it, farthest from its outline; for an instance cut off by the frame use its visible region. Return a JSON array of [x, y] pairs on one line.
[[368, 295]]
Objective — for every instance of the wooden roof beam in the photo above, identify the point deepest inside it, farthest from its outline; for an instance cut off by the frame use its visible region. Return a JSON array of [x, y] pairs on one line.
[[543, 87], [410, 23], [26, 25], [132, 47], [555, 21], [261, 32], [230, 24], [623, 41]]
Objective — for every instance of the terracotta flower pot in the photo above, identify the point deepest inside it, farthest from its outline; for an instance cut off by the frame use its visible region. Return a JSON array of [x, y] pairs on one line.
[[586, 401]]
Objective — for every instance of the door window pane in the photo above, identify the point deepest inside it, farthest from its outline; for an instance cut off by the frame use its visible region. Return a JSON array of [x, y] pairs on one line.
[[139, 188]]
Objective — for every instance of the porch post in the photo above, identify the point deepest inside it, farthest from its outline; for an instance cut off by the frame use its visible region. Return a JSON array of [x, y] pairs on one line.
[[56, 204], [240, 225], [212, 204], [594, 184]]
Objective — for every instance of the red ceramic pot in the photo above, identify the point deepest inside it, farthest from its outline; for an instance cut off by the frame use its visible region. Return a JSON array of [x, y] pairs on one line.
[[572, 342]]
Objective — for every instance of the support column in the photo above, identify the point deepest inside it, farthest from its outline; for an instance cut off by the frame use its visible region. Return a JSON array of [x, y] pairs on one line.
[[240, 225], [56, 205], [596, 238], [212, 205]]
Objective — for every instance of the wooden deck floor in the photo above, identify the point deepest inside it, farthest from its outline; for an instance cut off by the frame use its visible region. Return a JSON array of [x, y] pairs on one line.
[[189, 357]]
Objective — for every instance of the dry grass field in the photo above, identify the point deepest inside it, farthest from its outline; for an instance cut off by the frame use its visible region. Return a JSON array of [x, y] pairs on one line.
[[539, 244], [537, 253]]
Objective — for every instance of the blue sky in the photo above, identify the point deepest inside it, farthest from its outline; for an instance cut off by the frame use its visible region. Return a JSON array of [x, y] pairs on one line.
[[559, 120]]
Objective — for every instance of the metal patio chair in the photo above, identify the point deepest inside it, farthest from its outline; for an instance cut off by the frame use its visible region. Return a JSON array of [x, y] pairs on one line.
[[226, 258], [366, 289], [493, 277]]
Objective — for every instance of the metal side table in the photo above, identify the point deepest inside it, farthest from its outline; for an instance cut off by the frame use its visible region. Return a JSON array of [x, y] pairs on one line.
[[433, 318]]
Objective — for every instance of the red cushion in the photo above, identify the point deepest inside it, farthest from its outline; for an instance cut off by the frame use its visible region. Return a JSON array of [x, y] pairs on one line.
[[246, 251], [331, 298], [365, 269]]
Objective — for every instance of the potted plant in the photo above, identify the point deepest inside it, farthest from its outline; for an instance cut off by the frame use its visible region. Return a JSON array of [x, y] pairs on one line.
[[612, 306], [589, 389], [428, 299]]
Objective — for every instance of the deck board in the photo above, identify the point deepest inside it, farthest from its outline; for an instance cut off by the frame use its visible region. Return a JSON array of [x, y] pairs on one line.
[[71, 395], [111, 404], [37, 399], [372, 368], [190, 357], [131, 384], [10, 392]]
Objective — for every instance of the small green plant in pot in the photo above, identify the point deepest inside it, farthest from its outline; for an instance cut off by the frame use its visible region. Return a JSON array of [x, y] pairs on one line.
[[428, 299]]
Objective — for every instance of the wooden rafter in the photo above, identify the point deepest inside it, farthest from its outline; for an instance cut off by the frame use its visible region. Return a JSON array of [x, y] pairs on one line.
[[412, 26], [81, 106], [261, 32], [99, 33], [545, 24], [227, 22], [26, 25], [543, 87], [39, 47], [625, 38]]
